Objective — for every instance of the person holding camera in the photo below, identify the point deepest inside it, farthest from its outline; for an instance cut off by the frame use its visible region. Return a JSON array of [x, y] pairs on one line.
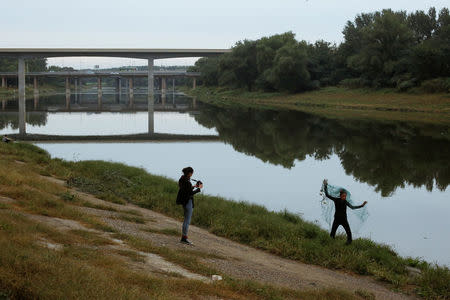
[[185, 197]]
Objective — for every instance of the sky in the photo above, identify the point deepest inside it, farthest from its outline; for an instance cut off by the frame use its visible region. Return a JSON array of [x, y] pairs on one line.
[[175, 23]]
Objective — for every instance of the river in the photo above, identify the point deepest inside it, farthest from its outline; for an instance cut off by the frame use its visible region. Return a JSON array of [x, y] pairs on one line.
[[273, 158]]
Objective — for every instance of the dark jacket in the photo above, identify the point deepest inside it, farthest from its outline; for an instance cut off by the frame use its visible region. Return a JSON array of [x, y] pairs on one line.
[[340, 206], [186, 191]]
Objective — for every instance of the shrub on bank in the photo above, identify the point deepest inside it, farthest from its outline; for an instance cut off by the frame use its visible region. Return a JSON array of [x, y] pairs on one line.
[[437, 85], [355, 83]]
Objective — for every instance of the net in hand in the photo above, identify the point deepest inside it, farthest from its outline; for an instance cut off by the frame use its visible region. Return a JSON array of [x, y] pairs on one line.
[[356, 217]]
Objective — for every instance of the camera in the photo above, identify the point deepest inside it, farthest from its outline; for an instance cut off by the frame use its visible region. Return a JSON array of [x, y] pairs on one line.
[[198, 182]]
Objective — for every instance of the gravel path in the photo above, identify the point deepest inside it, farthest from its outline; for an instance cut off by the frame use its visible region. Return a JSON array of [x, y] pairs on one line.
[[235, 259]]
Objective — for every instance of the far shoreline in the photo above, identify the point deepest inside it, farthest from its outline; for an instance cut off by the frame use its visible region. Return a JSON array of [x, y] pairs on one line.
[[338, 103]]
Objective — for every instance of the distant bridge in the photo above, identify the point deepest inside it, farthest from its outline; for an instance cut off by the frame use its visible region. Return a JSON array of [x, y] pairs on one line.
[[103, 74], [77, 75], [149, 54]]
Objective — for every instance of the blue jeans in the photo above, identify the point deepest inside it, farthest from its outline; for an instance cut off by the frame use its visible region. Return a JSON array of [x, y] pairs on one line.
[[187, 217]]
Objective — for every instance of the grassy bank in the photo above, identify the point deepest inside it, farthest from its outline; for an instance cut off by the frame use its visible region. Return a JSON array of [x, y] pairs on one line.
[[280, 233], [341, 103], [84, 268]]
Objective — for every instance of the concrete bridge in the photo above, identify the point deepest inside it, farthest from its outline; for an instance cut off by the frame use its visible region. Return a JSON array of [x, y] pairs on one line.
[[111, 101], [75, 78], [149, 54]]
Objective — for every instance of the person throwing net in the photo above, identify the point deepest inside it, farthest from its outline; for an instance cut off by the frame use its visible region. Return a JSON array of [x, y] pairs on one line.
[[339, 197]]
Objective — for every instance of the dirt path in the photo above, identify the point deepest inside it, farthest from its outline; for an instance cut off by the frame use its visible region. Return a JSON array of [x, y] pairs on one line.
[[232, 258]]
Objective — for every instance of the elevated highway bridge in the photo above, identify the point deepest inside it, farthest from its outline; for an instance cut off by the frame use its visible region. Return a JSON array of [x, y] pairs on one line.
[[141, 53]]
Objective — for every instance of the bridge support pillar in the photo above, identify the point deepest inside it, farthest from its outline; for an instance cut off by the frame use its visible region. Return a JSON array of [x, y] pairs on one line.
[[22, 110], [99, 91], [36, 101], [79, 91], [194, 83], [118, 89], [163, 84], [35, 85], [130, 90], [67, 92], [163, 91], [119, 85], [163, 100], [75, 82], [3, 81], [151, 97], [67, 85], [173, 92]]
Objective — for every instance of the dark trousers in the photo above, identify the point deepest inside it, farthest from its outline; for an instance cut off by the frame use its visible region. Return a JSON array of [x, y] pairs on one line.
[[344, 223], [187, 217]]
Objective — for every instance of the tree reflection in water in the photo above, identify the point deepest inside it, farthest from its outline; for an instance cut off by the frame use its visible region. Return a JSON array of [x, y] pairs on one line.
[[11, 119], [384, 155]]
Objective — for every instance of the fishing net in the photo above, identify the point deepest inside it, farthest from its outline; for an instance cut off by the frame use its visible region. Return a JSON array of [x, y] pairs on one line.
[[356, 217]]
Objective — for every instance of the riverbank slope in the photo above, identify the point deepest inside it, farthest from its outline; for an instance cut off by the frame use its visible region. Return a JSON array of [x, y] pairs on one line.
[[340, 103]]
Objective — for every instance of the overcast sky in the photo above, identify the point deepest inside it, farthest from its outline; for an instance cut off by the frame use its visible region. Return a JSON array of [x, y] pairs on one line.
[[176, 23]]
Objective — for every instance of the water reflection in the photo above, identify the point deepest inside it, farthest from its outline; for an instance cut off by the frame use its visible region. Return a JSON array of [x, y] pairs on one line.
[[109, 101], [11, 119], [78, 105], [386, 156]]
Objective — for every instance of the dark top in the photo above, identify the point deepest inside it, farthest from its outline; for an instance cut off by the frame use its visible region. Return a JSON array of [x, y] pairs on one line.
[[340, 205], [186, 191]]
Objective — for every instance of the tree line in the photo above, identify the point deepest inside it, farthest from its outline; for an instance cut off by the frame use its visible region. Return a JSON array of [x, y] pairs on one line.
[[381, 49], [32, 65]]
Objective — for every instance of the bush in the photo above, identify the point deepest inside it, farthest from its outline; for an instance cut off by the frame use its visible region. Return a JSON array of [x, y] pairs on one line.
[[437, 85], [355, 83], [403, 86]]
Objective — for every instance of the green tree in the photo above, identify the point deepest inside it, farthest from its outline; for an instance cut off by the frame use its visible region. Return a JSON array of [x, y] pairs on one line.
[[423, 25], [385, 45], [430, 57], [289, 70], [238, 68], [32, 65], [380, 49], [266, 51], [323, 63]]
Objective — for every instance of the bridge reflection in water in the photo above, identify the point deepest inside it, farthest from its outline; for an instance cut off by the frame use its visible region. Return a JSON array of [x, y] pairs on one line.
[[87, 102]]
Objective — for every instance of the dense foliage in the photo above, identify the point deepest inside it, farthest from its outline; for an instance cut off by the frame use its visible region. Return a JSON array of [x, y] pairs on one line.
[[32, 65], [381, 49]]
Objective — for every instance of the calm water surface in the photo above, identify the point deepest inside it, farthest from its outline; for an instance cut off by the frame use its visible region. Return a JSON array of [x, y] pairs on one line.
[[279, 159]]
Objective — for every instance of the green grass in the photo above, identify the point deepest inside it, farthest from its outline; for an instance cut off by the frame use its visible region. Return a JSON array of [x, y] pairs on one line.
[[98, 206], [132, 212], [365, 295], [133, 219], [280, 233], [340, 103]]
